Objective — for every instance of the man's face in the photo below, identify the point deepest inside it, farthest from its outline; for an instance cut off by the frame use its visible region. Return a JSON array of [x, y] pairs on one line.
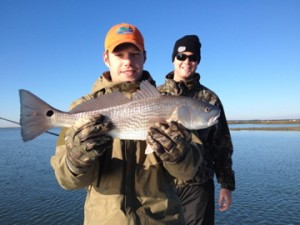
[[184, 67], [125, 63]]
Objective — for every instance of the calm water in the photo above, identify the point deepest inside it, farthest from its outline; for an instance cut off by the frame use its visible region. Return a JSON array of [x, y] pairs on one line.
[[267, 166], [262, 125]]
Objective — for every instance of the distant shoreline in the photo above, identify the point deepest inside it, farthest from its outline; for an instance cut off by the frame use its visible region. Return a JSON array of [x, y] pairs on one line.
[[290, 121], [289, 128], [267, 128]]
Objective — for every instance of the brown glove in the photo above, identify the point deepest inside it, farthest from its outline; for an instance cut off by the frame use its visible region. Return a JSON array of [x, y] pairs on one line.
[[85, 141], [170, 141]]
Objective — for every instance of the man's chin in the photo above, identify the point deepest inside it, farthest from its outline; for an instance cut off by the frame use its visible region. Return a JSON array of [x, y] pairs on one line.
[[185, 72], [130, 79]]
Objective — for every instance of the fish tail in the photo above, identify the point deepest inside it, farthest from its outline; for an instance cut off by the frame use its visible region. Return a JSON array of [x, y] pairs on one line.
[[35, 117]]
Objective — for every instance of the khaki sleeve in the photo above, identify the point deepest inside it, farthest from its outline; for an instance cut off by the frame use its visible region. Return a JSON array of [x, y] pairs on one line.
[[65, 178]]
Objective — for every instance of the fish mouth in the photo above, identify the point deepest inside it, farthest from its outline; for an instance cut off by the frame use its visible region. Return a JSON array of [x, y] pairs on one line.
[[213, 120]]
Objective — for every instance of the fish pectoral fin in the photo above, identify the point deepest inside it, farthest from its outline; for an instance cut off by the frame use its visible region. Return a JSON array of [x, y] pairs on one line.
[[180, 114], [148, 150], [157, 119], [174, 116]]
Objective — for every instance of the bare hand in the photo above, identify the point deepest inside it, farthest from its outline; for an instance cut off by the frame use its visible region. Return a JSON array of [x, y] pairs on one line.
[[225, 199]]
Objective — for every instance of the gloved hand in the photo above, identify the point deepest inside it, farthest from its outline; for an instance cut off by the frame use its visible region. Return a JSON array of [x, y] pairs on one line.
[[170, 141], [85, 141]]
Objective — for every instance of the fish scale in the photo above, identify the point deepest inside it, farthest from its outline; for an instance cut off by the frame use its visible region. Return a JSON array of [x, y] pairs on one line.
[[127, 126]]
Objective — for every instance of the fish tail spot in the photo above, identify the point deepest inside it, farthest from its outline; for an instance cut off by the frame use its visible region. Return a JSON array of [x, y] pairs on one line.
[[50, 113]]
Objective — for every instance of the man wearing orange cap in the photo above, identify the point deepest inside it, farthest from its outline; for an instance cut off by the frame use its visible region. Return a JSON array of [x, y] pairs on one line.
[[124, 185]]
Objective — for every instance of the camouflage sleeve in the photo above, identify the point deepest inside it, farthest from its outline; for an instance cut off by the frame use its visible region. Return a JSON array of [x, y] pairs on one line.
[[222, 149], [65, 178]]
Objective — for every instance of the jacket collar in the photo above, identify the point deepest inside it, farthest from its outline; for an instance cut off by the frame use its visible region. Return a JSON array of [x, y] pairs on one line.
[[188, 87], [104, 83]]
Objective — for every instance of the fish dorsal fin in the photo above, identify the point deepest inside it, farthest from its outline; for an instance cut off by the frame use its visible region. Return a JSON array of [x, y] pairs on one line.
[[116, 98], [102, 102], [147, 90]]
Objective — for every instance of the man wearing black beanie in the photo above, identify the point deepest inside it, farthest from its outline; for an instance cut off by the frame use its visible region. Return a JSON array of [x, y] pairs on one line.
[[214, 143], [188, 43]]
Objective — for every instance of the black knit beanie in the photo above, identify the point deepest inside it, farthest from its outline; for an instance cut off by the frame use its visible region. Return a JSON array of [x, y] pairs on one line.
[[188, 43]]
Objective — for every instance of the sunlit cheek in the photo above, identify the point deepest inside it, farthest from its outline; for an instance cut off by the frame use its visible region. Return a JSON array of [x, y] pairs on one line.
[[115, 72], [177, 66]]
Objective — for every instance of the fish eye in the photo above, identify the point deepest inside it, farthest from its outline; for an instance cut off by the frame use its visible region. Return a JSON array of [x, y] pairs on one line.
[[207, 109]]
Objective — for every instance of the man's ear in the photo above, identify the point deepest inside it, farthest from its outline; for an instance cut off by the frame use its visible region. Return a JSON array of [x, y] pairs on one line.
[[106, 58], [145, 56]]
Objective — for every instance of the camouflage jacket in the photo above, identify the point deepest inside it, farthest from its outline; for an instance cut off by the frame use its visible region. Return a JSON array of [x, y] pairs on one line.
[[126, 186], [216, 146]]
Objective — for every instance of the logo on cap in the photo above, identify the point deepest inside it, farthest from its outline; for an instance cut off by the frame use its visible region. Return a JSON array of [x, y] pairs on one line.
[[124, 30], [181, 49]]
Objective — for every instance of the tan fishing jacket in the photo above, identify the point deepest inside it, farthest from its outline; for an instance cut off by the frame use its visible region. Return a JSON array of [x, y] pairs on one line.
[[126, 186], [216, 147]]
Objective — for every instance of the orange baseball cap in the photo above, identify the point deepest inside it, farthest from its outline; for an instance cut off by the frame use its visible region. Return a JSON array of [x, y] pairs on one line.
[[123, 33]]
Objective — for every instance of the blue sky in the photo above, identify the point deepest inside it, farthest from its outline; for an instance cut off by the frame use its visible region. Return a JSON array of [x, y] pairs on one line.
[[250, 49]]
